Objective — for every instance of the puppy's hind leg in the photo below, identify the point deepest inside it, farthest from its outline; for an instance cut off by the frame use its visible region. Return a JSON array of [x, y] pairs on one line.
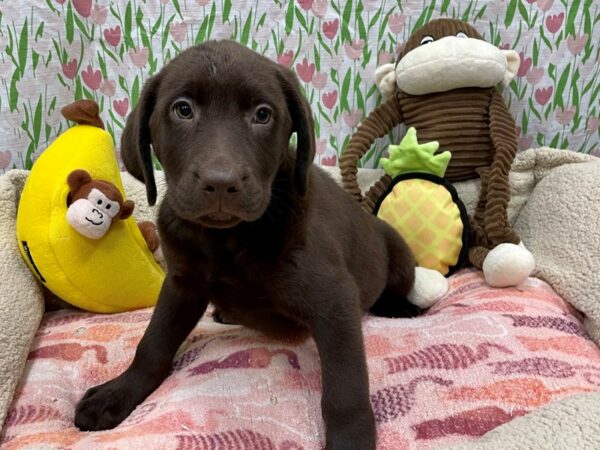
[[393, 301]]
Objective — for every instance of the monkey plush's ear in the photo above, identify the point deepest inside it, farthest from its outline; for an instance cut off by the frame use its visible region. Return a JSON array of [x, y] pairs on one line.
[[126, 209], [135, 140], [513, 61], [385, 79], [302, 124], [78, 178]]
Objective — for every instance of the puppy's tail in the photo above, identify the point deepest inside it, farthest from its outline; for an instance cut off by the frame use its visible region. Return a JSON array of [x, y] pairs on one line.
[[401, 278]]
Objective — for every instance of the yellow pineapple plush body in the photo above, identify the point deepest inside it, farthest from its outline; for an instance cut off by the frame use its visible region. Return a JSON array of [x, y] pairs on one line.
[[425, 210]]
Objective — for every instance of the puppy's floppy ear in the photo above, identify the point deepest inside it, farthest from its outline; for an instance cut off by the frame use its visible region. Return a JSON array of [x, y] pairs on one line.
[[136, 140], [302, 124]]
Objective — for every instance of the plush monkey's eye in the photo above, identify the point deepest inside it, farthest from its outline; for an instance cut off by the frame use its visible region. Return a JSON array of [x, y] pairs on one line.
[[461, 34], [108, 206], [183, 110], [262, 115], [427, 40], [99, 202]]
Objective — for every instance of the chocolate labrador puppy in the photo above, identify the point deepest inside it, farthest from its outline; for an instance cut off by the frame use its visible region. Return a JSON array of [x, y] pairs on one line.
[[251, 226]]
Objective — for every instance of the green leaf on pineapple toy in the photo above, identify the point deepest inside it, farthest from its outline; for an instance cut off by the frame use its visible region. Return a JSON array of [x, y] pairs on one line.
[[410, 156]]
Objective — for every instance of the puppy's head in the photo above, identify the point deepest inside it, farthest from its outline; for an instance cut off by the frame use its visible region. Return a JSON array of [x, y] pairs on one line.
[[219, 118]]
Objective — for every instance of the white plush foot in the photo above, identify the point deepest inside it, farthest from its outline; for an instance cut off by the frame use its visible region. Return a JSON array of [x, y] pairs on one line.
[[430, 286], [508, 265]]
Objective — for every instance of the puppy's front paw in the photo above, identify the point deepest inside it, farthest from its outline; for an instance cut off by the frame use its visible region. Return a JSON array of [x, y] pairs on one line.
[[358, 434], [106, 406]]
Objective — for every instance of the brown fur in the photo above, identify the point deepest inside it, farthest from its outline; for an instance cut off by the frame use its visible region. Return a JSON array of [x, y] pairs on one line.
[[473, 123], [250, 226]]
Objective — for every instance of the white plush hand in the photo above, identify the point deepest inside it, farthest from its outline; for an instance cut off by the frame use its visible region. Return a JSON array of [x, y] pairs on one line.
[[508, 265], [430, 286]]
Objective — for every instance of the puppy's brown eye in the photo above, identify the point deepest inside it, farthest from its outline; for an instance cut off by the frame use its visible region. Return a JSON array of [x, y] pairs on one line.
[[262, 115], [183, 110]]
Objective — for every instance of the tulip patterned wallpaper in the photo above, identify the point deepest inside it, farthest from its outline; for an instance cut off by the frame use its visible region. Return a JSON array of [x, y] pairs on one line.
[[54, 51]]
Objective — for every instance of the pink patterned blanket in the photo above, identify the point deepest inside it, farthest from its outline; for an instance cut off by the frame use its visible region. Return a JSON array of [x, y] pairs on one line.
[[476, 360]]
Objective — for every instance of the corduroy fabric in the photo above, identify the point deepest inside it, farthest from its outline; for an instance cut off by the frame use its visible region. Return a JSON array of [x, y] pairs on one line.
[[472, 123]]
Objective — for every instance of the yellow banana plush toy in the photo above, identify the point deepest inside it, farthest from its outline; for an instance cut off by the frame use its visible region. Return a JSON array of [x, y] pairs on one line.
[[74, 226]]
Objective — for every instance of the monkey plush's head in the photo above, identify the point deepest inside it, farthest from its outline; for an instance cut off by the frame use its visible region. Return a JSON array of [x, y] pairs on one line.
[[446, 54], [93, 205]]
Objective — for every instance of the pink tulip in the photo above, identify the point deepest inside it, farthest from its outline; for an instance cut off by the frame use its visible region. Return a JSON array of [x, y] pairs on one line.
[[113, 35], [285, 59], [329, 99], [139, 56], [396, 22], [534, 76], [352, 118], [329, 160], [92, 77], [108, 87], [384, 58], [576, 43], [593, 124], [121, 106], [542, 96], [83, 7], [330, 28], [99, 14], [319, 8], [525, 142], [545, 5], [524, 66], [305, 4], [319, 80], [70, 69], [305, 70], [553, 23], [354, 49], [321, 146], [178, 31], [564, 116]]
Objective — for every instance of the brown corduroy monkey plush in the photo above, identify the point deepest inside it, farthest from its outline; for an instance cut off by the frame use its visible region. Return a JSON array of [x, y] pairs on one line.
[[444, 85]]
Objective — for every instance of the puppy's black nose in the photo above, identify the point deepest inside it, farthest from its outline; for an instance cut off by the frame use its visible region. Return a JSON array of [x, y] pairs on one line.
[[220, 183]]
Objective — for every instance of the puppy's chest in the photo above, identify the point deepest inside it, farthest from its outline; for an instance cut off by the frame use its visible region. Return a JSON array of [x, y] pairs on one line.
[[235, 278]]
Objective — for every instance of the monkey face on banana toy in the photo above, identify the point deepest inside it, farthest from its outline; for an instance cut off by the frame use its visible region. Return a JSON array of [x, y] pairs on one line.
[[444, 85]]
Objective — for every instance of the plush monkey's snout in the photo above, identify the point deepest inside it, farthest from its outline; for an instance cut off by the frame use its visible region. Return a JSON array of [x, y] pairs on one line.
[[87, 220], [451, 63]]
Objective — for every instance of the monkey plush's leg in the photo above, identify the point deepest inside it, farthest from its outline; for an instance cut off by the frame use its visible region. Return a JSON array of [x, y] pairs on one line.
[[504, 138], [479, 241]]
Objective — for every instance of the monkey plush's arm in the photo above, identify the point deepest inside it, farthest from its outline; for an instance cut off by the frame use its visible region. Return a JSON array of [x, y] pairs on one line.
[[504, 138], [377, 124]]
